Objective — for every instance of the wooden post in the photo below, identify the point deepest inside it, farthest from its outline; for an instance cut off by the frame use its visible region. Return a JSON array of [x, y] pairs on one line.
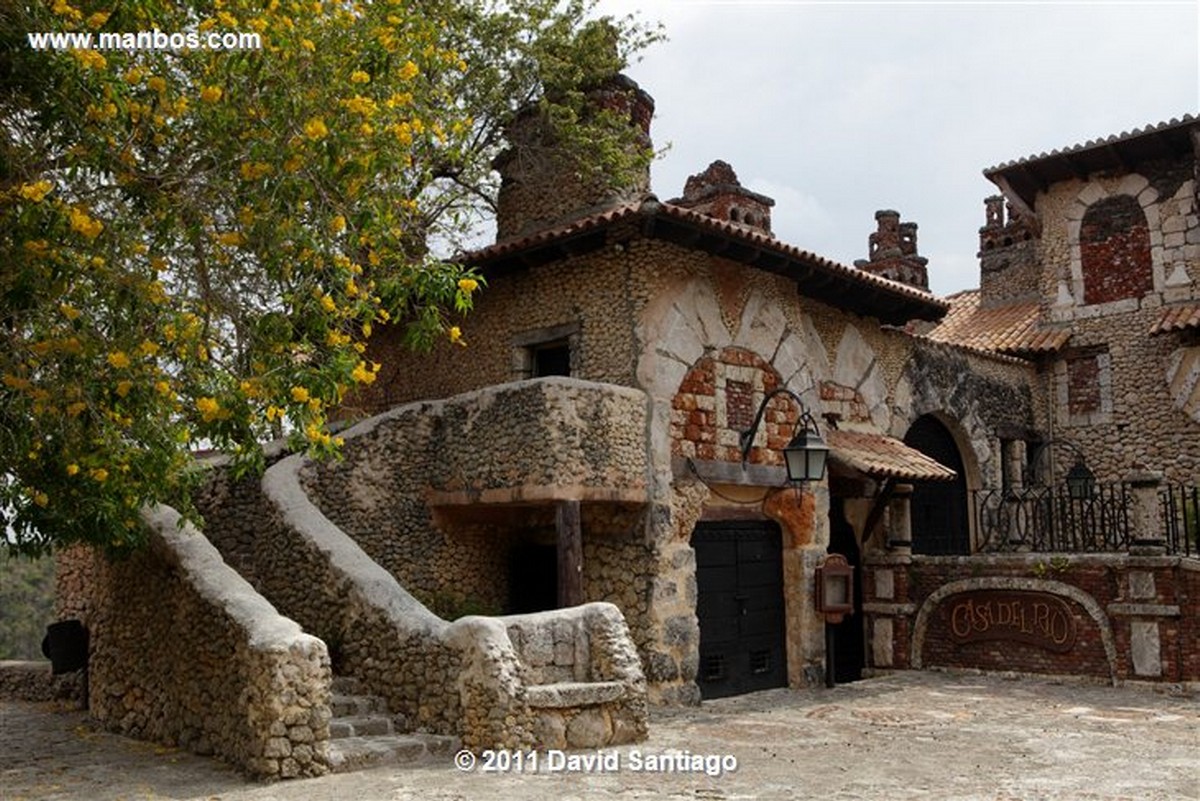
[[570, 554]]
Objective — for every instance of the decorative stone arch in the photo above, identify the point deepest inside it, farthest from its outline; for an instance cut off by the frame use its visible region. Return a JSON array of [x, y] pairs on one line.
[[1074, 288], [1089, 604]]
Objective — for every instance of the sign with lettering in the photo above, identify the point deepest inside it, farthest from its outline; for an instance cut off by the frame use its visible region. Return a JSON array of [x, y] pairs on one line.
[[1036, 618]]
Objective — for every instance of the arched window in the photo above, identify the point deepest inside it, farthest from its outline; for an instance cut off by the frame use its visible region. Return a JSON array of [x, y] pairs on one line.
[[1114, 250]]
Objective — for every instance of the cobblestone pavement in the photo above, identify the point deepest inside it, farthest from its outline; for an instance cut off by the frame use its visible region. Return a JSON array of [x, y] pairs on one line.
[[904, 736]]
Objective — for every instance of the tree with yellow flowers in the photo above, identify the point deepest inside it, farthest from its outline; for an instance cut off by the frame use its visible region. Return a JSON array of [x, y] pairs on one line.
[[196, 245]]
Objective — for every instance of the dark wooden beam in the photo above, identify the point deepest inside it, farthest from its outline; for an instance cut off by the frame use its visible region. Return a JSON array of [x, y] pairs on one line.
[[570, 554]]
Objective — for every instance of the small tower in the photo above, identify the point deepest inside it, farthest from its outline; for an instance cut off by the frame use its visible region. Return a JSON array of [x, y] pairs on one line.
[[717, 193], [541, 186], [1008, 269], [892, 251]]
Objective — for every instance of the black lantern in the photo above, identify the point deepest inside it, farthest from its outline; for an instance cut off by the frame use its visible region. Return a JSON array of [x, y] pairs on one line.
[[806, 454], [1080, 481]]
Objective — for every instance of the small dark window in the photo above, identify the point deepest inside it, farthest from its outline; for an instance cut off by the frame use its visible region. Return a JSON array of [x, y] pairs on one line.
[[551, 358]]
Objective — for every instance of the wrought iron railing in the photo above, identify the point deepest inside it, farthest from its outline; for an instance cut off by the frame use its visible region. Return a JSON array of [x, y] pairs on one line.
[[1181, 519], [1048, 519]]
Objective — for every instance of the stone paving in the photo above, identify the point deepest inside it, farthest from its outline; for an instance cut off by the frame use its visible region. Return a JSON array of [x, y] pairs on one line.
[[903, 736]]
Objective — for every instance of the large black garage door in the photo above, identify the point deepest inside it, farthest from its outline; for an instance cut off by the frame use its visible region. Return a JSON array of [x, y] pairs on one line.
[[739, 578]]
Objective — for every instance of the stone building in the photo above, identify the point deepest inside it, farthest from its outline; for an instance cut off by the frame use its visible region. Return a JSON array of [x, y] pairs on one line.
[[609, 446]]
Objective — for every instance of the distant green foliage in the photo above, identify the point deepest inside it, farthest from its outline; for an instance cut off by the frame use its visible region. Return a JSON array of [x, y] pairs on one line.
[[26, 606]]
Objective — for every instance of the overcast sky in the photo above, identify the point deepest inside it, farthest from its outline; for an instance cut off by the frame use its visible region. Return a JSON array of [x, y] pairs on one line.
[[837, 109]]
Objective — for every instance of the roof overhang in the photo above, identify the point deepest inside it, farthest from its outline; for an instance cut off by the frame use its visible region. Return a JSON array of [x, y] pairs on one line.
[[1024, 178], [880, 456], [815, 277]]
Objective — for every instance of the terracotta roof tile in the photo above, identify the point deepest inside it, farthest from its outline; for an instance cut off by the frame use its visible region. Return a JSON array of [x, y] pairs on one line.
[[1177, 318], [1012, 328], [884, 457], [1124, 136]]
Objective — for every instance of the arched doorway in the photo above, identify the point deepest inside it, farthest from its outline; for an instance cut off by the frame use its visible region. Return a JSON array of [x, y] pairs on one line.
[[939, 508]]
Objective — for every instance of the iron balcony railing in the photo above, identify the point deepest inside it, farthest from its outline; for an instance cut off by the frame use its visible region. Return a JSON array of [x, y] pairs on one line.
[[1048, 519], [1181, 519]]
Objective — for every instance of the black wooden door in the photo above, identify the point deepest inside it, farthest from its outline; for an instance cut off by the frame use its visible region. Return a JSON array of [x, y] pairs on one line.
[[739, 581]]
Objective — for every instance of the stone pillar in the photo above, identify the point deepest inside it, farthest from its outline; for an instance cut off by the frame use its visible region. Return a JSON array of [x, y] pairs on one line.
[[1016, 464], [1146, 535], [899, 538]]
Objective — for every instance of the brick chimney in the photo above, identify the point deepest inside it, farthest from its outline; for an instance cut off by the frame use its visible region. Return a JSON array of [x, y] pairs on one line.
[[718, 193], [893, 251], [542, 187]]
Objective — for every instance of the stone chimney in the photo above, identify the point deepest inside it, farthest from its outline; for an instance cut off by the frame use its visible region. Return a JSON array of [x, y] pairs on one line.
[[1008, 255], [542, 187], [717, 193], [893, 251]]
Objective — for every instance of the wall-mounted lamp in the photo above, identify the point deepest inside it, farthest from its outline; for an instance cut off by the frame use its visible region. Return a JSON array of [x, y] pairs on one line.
[[1081, 481], [806, 454]]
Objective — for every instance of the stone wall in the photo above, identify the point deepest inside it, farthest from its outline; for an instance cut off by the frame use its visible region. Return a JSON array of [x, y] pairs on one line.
[[33, 681], [1147, 399], [186, 653], [514, 445], [1110, 616]]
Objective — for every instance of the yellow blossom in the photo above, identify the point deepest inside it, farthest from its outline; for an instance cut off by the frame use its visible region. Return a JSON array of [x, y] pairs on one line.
[[41, 499], [308, 45], [300, 394], [68, 311], [273, 412], [123, 388], [84, 224], [208, 408], [72, 469], [455, 334], [90, 59], [36, 191], [408, 71], [148, 348], [162, 388], [328, 304], [231, 239], [211, 94], [119, 360], [76, 408], [361, 374], [98, 19], [468, 285], [315, 129], [157, 84], [337, 224], [99, 474], [358, 76]]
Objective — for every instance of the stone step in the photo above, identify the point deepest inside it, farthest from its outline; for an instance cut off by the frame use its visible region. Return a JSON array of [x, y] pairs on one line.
[[344, 706], [359, 753], [346, 685], [361, 726]]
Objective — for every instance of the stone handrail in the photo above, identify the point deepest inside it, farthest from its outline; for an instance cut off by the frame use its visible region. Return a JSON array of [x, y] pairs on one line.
[[186, 652]]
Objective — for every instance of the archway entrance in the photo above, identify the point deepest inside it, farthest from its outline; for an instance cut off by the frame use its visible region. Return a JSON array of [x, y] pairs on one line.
[[939, 508]]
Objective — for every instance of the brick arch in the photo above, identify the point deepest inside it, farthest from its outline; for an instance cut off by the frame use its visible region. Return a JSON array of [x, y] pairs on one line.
[[1110, 234], [718, 397], [1114, 251]]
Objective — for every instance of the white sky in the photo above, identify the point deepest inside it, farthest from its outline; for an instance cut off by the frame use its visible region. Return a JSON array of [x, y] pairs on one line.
[[837, 109]]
